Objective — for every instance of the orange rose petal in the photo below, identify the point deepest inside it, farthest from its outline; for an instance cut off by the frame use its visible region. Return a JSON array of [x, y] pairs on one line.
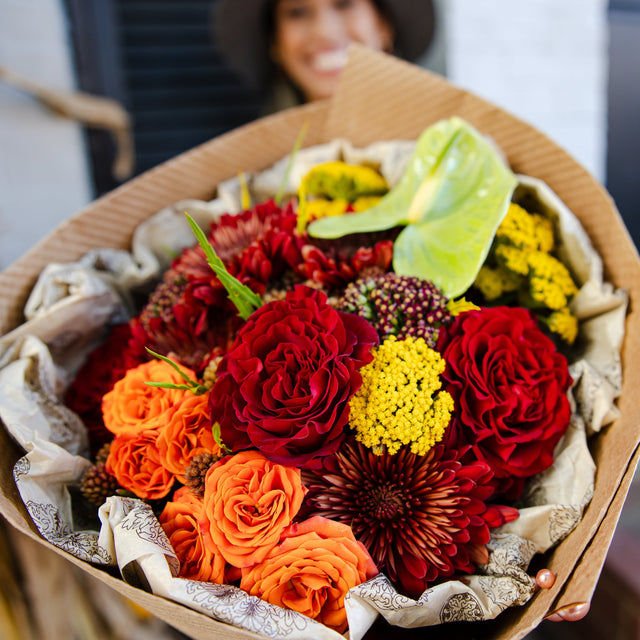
[[135, 406], [199, 560], [133, 460], [311, 570], [249, 502], [186, 433]]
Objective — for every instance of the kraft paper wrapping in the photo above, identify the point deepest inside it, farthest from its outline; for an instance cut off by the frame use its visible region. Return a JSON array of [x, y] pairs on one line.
[[71, 303]]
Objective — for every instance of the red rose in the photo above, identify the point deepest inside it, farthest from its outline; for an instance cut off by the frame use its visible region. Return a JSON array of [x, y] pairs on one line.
[[285, 384], [509, 385]]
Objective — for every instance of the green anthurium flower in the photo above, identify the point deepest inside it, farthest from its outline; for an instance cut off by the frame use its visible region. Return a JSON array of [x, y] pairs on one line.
[[451, 198]]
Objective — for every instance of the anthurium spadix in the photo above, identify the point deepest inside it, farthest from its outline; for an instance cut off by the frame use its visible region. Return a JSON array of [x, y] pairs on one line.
[[451, 199]]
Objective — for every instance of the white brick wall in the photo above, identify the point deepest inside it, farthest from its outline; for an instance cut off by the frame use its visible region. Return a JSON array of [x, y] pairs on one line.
[[544, 61], [43, 170]]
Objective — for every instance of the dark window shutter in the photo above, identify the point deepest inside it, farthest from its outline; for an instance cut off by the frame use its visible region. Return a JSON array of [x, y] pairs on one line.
[[159, 59]]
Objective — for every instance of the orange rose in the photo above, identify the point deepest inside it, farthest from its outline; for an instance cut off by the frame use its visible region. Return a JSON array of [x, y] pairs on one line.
[[311, 570], [248, 503], [133, 405], [135, 463], [186, 434], [199, 558]]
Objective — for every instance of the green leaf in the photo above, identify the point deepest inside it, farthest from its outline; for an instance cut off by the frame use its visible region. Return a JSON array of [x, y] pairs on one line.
[[296, 147], [191, 385], [170, 362], [169, 385], [245, 300], [218, 438], [302, 217], [245, 196], [451, 198]]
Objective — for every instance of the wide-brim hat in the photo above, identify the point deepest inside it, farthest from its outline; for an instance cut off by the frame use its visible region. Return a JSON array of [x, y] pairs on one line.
[[240, 30]]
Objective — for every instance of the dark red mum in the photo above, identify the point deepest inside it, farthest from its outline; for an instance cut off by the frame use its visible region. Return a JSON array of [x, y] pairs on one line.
[[509, 385], [421, 518], [285, 384]]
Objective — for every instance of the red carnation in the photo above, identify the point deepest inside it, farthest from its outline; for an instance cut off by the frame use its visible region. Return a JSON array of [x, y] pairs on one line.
[[334, 266], [510, 386], [285, 384]]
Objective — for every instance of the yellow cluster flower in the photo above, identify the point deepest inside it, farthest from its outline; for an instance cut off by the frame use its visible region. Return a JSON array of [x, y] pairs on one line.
[[564, 324], [400, 401], [321, 207], [338, 179], [329, 189], [550, 281], [526, 230], [521, 263], [512, 259], [456, 307], [365, 202], [494, 283]]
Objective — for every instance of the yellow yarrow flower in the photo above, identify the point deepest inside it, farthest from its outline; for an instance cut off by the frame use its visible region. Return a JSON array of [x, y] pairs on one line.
[[400, 402], [520, 262], [512, 259], [365, 202], [321, 207]]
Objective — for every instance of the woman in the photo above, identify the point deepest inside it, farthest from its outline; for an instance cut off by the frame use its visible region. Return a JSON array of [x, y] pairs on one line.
[[294, 50]]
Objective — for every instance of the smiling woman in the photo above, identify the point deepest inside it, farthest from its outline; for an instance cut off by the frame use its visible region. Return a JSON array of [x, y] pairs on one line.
[[311, 38], [294, 50]]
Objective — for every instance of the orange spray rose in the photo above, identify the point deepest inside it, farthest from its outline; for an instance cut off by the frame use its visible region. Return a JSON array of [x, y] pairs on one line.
[[248, 503], [311, 570], [133, 405], [199, 558], [135, 463], [186, 434]]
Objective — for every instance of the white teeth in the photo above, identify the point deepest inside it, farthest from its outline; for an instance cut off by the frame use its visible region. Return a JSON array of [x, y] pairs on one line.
[[330, 60]]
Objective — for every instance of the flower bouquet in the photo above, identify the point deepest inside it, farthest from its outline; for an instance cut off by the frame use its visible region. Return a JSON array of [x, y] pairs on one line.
[[366, 378]]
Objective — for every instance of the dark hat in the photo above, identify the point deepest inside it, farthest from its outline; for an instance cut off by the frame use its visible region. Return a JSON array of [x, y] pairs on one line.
[[240, 28]]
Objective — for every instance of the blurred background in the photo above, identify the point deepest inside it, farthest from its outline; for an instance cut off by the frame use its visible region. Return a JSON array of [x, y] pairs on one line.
[[569, 68]]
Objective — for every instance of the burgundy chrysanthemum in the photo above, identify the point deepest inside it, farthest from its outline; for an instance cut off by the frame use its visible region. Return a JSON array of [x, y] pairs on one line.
[[256, 246], [421, 518], [269, 257], [180, 326], [189, 316], [231, 234]]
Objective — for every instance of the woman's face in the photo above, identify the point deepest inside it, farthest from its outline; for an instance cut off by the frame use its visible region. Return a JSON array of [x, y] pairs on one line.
[[311, 39]]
